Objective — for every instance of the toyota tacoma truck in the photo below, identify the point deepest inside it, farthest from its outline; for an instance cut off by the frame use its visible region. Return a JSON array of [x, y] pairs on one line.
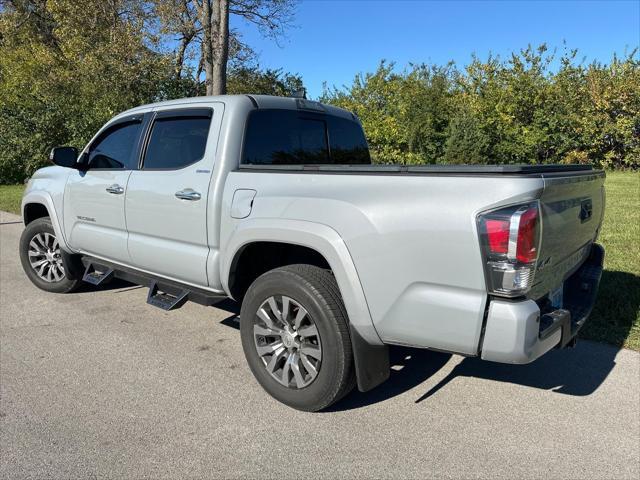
[[274, 202]]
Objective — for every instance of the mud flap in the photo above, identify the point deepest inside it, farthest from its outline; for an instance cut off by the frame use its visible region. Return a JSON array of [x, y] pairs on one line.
[[73, 266], [371, 362]]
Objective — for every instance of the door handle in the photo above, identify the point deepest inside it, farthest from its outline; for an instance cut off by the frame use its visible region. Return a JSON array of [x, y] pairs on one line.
[[115, 189], [188, 194]]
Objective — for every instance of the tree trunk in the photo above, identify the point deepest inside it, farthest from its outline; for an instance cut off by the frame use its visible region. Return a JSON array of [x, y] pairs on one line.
[[214, 17], [207, 50], [182, 48], [199, 71], [220, 46]]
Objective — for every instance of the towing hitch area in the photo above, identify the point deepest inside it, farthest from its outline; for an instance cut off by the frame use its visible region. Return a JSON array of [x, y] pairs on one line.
[[572, 343], [581, 290]]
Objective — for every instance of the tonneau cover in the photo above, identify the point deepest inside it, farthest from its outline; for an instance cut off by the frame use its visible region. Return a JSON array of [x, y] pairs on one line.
[[427, 169]]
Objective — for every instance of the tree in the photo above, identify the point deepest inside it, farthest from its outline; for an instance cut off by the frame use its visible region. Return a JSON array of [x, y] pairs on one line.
[[66, 68], [428, 97], [214, 17], [267, 82], [516, 110], [203, 27], [376, 99], [404, 115], [179, 18], [467, 142]]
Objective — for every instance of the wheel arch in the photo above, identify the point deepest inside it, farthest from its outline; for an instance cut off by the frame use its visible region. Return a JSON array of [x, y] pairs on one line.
[[33, 211], [255, 258], [37, 204], [370, 354]]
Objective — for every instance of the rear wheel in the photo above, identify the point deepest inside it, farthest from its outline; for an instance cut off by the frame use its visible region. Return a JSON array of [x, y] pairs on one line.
[[41, 258], [295, 337]]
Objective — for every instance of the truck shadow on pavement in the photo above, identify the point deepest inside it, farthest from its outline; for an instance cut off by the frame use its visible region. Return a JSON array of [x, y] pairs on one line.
[[116, 285], [577, 371]]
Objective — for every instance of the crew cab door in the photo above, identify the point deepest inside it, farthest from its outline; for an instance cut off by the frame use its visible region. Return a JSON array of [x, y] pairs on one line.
[[94, 199], [166, 202]]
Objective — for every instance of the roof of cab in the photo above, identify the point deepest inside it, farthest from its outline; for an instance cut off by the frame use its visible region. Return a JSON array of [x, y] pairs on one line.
[[262, 101]]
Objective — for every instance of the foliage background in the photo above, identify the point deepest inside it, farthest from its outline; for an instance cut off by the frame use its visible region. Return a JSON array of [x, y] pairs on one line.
[[517, 110], [66, 67]]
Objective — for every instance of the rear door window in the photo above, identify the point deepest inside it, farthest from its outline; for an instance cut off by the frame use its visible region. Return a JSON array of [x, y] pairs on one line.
[[290, 137], [177, 139], [347, 141], [283, 137]]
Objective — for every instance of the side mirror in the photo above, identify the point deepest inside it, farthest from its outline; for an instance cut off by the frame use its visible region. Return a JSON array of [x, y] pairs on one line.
[[64, 156]]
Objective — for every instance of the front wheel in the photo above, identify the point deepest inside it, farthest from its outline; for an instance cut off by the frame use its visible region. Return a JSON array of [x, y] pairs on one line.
[[295, 337], [41, 258]]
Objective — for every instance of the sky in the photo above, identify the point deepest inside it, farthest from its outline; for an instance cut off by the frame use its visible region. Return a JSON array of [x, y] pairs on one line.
[[333, 40]]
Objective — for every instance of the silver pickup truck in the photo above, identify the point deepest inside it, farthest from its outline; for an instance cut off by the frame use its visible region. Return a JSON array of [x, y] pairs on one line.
[[274, 203]]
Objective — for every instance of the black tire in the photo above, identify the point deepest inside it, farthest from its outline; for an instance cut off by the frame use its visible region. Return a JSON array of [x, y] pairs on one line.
[[316, 290], [42, 226]]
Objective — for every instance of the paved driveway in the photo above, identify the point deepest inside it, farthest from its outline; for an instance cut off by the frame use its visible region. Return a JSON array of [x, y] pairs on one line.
[[99, 384]]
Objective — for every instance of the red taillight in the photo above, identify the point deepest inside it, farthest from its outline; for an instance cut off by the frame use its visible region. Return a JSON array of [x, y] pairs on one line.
[[509, 238], [527, 249], [497, 235]]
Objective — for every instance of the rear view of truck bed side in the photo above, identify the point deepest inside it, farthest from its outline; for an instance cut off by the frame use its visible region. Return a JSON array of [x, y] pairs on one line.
[[414, 238]]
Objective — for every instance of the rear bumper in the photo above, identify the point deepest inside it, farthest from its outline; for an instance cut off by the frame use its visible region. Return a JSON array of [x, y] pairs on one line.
[[521, 331]]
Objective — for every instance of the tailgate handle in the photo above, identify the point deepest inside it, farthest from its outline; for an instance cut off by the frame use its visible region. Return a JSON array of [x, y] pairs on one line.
[[586, 210]]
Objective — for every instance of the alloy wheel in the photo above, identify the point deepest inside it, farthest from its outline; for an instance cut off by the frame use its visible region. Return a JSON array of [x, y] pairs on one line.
[[288, 342], [45, 257]]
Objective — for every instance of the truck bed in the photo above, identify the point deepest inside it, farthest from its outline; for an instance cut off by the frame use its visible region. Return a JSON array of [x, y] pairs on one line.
[[412, 232]]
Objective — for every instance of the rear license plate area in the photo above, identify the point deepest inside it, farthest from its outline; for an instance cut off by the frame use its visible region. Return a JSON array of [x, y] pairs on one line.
[[556, 297]]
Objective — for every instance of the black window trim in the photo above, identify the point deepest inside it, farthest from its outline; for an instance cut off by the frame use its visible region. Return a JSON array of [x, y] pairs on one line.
[[134, 118], [199, 112], [183, 112]]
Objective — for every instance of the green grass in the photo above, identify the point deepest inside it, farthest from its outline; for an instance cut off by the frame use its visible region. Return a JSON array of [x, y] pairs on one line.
[[10, 198], [616, 317]]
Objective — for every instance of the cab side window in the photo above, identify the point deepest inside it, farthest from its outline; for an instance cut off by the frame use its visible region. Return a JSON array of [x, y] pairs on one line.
[[177, 141], [114, 148]]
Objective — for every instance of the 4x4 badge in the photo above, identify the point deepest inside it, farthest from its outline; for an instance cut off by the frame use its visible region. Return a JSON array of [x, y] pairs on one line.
[[586, 210]]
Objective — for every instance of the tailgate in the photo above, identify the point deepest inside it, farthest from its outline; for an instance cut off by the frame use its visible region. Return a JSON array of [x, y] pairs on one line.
[[572, 210]]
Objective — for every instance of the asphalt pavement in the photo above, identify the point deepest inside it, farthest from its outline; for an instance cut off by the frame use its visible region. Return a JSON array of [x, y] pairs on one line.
[[98, 384]]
